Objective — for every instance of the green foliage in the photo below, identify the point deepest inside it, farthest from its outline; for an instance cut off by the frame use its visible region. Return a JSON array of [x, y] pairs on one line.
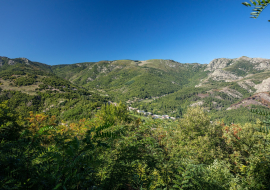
[[243, 91], [260, 6], [125, 79], [81, 142], [189, 154], [9, 127], [24, 81], [265, 113], [113, 113], [241, 115], [19, 67], [76, 106]]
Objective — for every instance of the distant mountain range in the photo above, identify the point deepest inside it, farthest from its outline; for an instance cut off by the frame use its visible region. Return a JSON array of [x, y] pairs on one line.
[[159, 86]]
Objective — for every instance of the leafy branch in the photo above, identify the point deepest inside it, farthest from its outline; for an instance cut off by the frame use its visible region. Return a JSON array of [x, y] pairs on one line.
[[259, 6]]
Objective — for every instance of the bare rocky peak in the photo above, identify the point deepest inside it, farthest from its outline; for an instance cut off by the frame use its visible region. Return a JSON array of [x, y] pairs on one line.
[[253, 60], [259, 63], [219, 63]]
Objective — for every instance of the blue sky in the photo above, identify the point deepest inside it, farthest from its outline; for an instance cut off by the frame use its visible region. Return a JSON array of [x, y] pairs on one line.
[[72, 31]]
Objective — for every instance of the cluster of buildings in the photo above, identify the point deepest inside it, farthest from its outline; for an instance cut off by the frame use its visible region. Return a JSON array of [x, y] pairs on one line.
[[146, 114], [149, 114]]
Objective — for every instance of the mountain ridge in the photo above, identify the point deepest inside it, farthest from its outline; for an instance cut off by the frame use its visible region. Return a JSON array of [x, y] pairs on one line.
[[227, 83]]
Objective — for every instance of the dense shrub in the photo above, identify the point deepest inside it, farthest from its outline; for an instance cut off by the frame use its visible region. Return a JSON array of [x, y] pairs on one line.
[[114, 151]]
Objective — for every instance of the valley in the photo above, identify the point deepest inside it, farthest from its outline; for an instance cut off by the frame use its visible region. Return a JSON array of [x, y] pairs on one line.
[[157, 86], [103, 124]]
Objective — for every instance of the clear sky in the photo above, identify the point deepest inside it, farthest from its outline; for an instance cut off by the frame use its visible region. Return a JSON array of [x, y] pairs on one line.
[[72, 31]]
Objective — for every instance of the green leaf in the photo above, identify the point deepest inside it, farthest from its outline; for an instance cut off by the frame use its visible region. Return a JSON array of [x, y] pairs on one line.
[[58, 185], [46, 128], [70, 151], [253, 2], [246, 4], [257, 10]]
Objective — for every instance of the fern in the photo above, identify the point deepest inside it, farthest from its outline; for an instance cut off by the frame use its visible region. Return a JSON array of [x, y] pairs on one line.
[[68, 163]]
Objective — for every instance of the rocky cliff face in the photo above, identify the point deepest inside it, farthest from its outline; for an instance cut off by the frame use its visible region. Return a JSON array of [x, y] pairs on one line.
[[11, 62], [25, 60], [264, 86], [218, 64], [259, 63], [223, 69]]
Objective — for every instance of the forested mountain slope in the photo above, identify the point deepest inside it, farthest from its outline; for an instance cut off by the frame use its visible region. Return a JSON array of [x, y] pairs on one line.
[[69, 143], [32, 86], [230, 84], [224, 87], [125, 79]]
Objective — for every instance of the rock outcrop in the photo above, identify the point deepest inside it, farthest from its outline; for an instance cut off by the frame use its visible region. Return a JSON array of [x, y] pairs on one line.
[[217, 67], [259, 63], [264, 86], [200, 103], [245, 86], [232, 92], [224, 75], [218, 64], [11, 62], [25, 60]]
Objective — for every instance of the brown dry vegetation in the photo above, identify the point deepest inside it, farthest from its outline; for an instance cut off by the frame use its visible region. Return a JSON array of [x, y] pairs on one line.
[[262, 99]]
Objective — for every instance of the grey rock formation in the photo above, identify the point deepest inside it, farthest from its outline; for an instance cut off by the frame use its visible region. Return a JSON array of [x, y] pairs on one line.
[[200, 103], [259, 63], [11, 62], [245, 86], [250, 83], [218, 64], [219, 75], [263, 66], [25, 60], [264, 86], [232, 92]]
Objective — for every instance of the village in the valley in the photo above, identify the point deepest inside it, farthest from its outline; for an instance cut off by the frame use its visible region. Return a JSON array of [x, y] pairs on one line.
[[144, 113], [149, 114]]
